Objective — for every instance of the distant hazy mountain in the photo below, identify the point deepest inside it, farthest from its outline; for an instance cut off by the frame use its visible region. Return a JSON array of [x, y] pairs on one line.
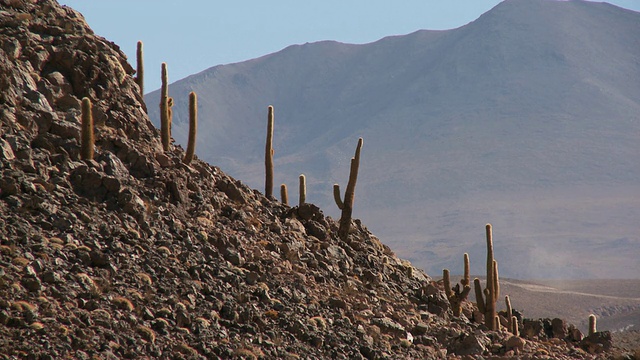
[[528, 118]]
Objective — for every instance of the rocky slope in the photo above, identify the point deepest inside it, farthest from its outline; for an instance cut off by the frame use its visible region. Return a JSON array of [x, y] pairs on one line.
[[136, 255]]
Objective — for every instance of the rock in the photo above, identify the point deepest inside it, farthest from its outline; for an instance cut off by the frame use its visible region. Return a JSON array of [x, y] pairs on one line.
[[515, 343], [389, 326], [559, 328], [232, 190], [597, 343], [6, 152], [472, 344], [99, 259], [309, 211], [31, 283]]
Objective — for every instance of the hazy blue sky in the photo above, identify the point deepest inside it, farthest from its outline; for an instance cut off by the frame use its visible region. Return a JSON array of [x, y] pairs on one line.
[[198, 34]]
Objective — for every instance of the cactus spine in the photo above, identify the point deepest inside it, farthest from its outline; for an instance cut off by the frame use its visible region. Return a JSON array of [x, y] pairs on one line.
[[347, 205], [592, 324], [193, 127], [268, 155], [303, 190], [87, 139], [140, 69], [284, 195], [487, 304], [165, 126]]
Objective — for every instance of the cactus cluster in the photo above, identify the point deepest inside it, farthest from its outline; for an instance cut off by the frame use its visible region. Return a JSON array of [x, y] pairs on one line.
[[512, 321], [455, 295], [487, 299]]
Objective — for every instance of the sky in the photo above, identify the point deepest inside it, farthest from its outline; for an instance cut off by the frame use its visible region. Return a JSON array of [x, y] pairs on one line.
[[199, 34]]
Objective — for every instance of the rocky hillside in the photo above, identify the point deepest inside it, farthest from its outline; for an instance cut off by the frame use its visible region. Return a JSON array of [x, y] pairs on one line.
[[136, 255]]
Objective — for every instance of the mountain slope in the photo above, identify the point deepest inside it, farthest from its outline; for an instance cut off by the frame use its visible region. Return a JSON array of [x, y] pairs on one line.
[[526, 118]]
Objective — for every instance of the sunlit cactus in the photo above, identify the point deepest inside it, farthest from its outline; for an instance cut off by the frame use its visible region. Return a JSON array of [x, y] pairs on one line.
[[284, 195], [193, 127], [268, 155], [165, 127], [87, 138], [140, 69], [303, 190], [346, 205]]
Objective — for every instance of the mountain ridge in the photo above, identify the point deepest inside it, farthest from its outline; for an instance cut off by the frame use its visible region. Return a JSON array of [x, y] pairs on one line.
[[533, 97]]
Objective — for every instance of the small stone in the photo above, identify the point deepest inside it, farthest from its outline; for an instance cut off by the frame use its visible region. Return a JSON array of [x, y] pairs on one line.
[[252, 277], [515, 343], [5, 150], [99, 259], [163, 160], [31, 283]]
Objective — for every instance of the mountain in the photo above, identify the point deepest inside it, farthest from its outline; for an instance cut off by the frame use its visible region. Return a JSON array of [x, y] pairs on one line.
[[528, 118]]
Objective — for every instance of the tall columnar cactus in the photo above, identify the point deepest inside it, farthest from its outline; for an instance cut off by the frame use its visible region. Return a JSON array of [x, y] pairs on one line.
[[165, 127], [487, 304], [284, 195], [455, 295], [170, 104], [466, 279], [268, 155], [592, 324], [193, 127], [303, 190], [347, 205], [512, 323], [140, 69], [86, 139]]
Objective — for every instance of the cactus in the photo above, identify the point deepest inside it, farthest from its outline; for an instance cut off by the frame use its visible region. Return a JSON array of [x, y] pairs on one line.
[[170, 104], [140, 69], [592, 324], [165, 127], [303, 190], [466, 279], [87, 139], [478, 290], [487, 303], [268, 155], [347, 205], [512, 323], [284, 194], [455, 296], [193, 127]]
